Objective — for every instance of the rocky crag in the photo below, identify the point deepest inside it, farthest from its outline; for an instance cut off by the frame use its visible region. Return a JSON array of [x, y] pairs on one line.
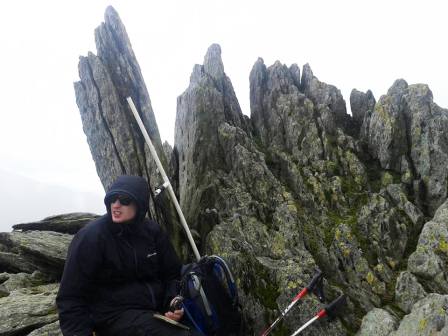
[[298, 185]]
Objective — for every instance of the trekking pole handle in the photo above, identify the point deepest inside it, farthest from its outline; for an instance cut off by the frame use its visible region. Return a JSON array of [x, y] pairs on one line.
[[308, 289], [314, 280], [335, 305], [329, 310], [165, 178]]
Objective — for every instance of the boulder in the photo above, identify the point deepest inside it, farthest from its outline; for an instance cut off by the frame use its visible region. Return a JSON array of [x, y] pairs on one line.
[[66, 223], [408, 291], [14, 262], [51, 329], [12, 282], [35, 250], [429, 262], [27, 309], [377, 322], [428, 317]]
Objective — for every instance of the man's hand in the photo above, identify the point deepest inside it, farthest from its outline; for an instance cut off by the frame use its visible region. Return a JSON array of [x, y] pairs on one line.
[[176, 311], [175, 315]]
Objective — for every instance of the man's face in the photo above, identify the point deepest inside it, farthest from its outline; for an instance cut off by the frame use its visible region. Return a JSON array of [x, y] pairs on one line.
[[123, 209]]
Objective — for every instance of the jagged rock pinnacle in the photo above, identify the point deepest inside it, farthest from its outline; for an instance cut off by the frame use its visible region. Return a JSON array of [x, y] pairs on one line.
[[213, 62]]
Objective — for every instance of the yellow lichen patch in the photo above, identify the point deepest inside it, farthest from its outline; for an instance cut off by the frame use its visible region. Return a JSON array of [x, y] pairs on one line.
[[278, 245], [370, 278], [345, 250], [407, 176], [337, 234], [387, 179], [422, 324], [392, 263], [379, 268], [349, 236], [291, 285], [287, 196], [443, 246], [292, 207]]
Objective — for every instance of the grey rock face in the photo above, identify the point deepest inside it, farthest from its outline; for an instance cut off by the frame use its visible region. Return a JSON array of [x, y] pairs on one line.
[[398, 196], [277, 104], [387, 128], [106, 81], [386, 229], [407, 133], [429, 261], [40, 250], [377, 322], [15, 262], [12, 282], [28, 309], [115, 140], [324, 95], [51, 329], [408, 291], [209, 101], [242, 211], [362, 106]]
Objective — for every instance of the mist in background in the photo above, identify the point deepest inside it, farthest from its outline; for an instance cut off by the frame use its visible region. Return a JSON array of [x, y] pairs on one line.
[[26, 200]]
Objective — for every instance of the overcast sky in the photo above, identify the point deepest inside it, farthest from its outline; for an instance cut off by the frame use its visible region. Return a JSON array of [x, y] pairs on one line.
[[350, 44]]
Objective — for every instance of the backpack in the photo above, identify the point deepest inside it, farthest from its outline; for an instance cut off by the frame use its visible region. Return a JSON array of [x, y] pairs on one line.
[[210, 297]]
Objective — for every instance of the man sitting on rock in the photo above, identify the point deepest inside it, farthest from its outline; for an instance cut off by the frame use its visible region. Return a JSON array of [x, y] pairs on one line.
[[120, 269]]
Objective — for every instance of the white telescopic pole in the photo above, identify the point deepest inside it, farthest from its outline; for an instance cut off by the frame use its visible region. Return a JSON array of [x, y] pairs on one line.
[[305, 325], [165, 178]]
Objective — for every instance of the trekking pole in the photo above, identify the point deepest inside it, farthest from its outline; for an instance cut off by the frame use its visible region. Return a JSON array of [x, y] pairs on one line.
[[329, 310], [166, 181], [314, 286]]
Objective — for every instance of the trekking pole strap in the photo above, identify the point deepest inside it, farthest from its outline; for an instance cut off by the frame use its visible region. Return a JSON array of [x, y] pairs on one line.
[[164, 176], [316, 285], [335, 305]]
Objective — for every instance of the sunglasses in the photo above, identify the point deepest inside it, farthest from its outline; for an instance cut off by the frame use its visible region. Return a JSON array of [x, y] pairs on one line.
[[124, 199]]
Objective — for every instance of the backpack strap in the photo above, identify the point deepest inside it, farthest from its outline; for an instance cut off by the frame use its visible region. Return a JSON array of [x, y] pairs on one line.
[[192, 320], [198, 287], [228, 276]]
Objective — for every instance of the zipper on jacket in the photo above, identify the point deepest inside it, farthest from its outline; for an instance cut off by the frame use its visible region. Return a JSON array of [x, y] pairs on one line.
[[153, 297], [135, 255], [151, 291]]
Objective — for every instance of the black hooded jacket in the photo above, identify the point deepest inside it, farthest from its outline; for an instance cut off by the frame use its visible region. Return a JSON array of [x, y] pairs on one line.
[[114, 267]]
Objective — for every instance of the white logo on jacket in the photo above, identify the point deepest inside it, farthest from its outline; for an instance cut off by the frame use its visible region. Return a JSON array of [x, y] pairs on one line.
[[151, 255]]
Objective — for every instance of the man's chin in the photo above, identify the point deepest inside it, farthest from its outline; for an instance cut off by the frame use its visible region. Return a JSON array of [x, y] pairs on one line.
[[117, 220]]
